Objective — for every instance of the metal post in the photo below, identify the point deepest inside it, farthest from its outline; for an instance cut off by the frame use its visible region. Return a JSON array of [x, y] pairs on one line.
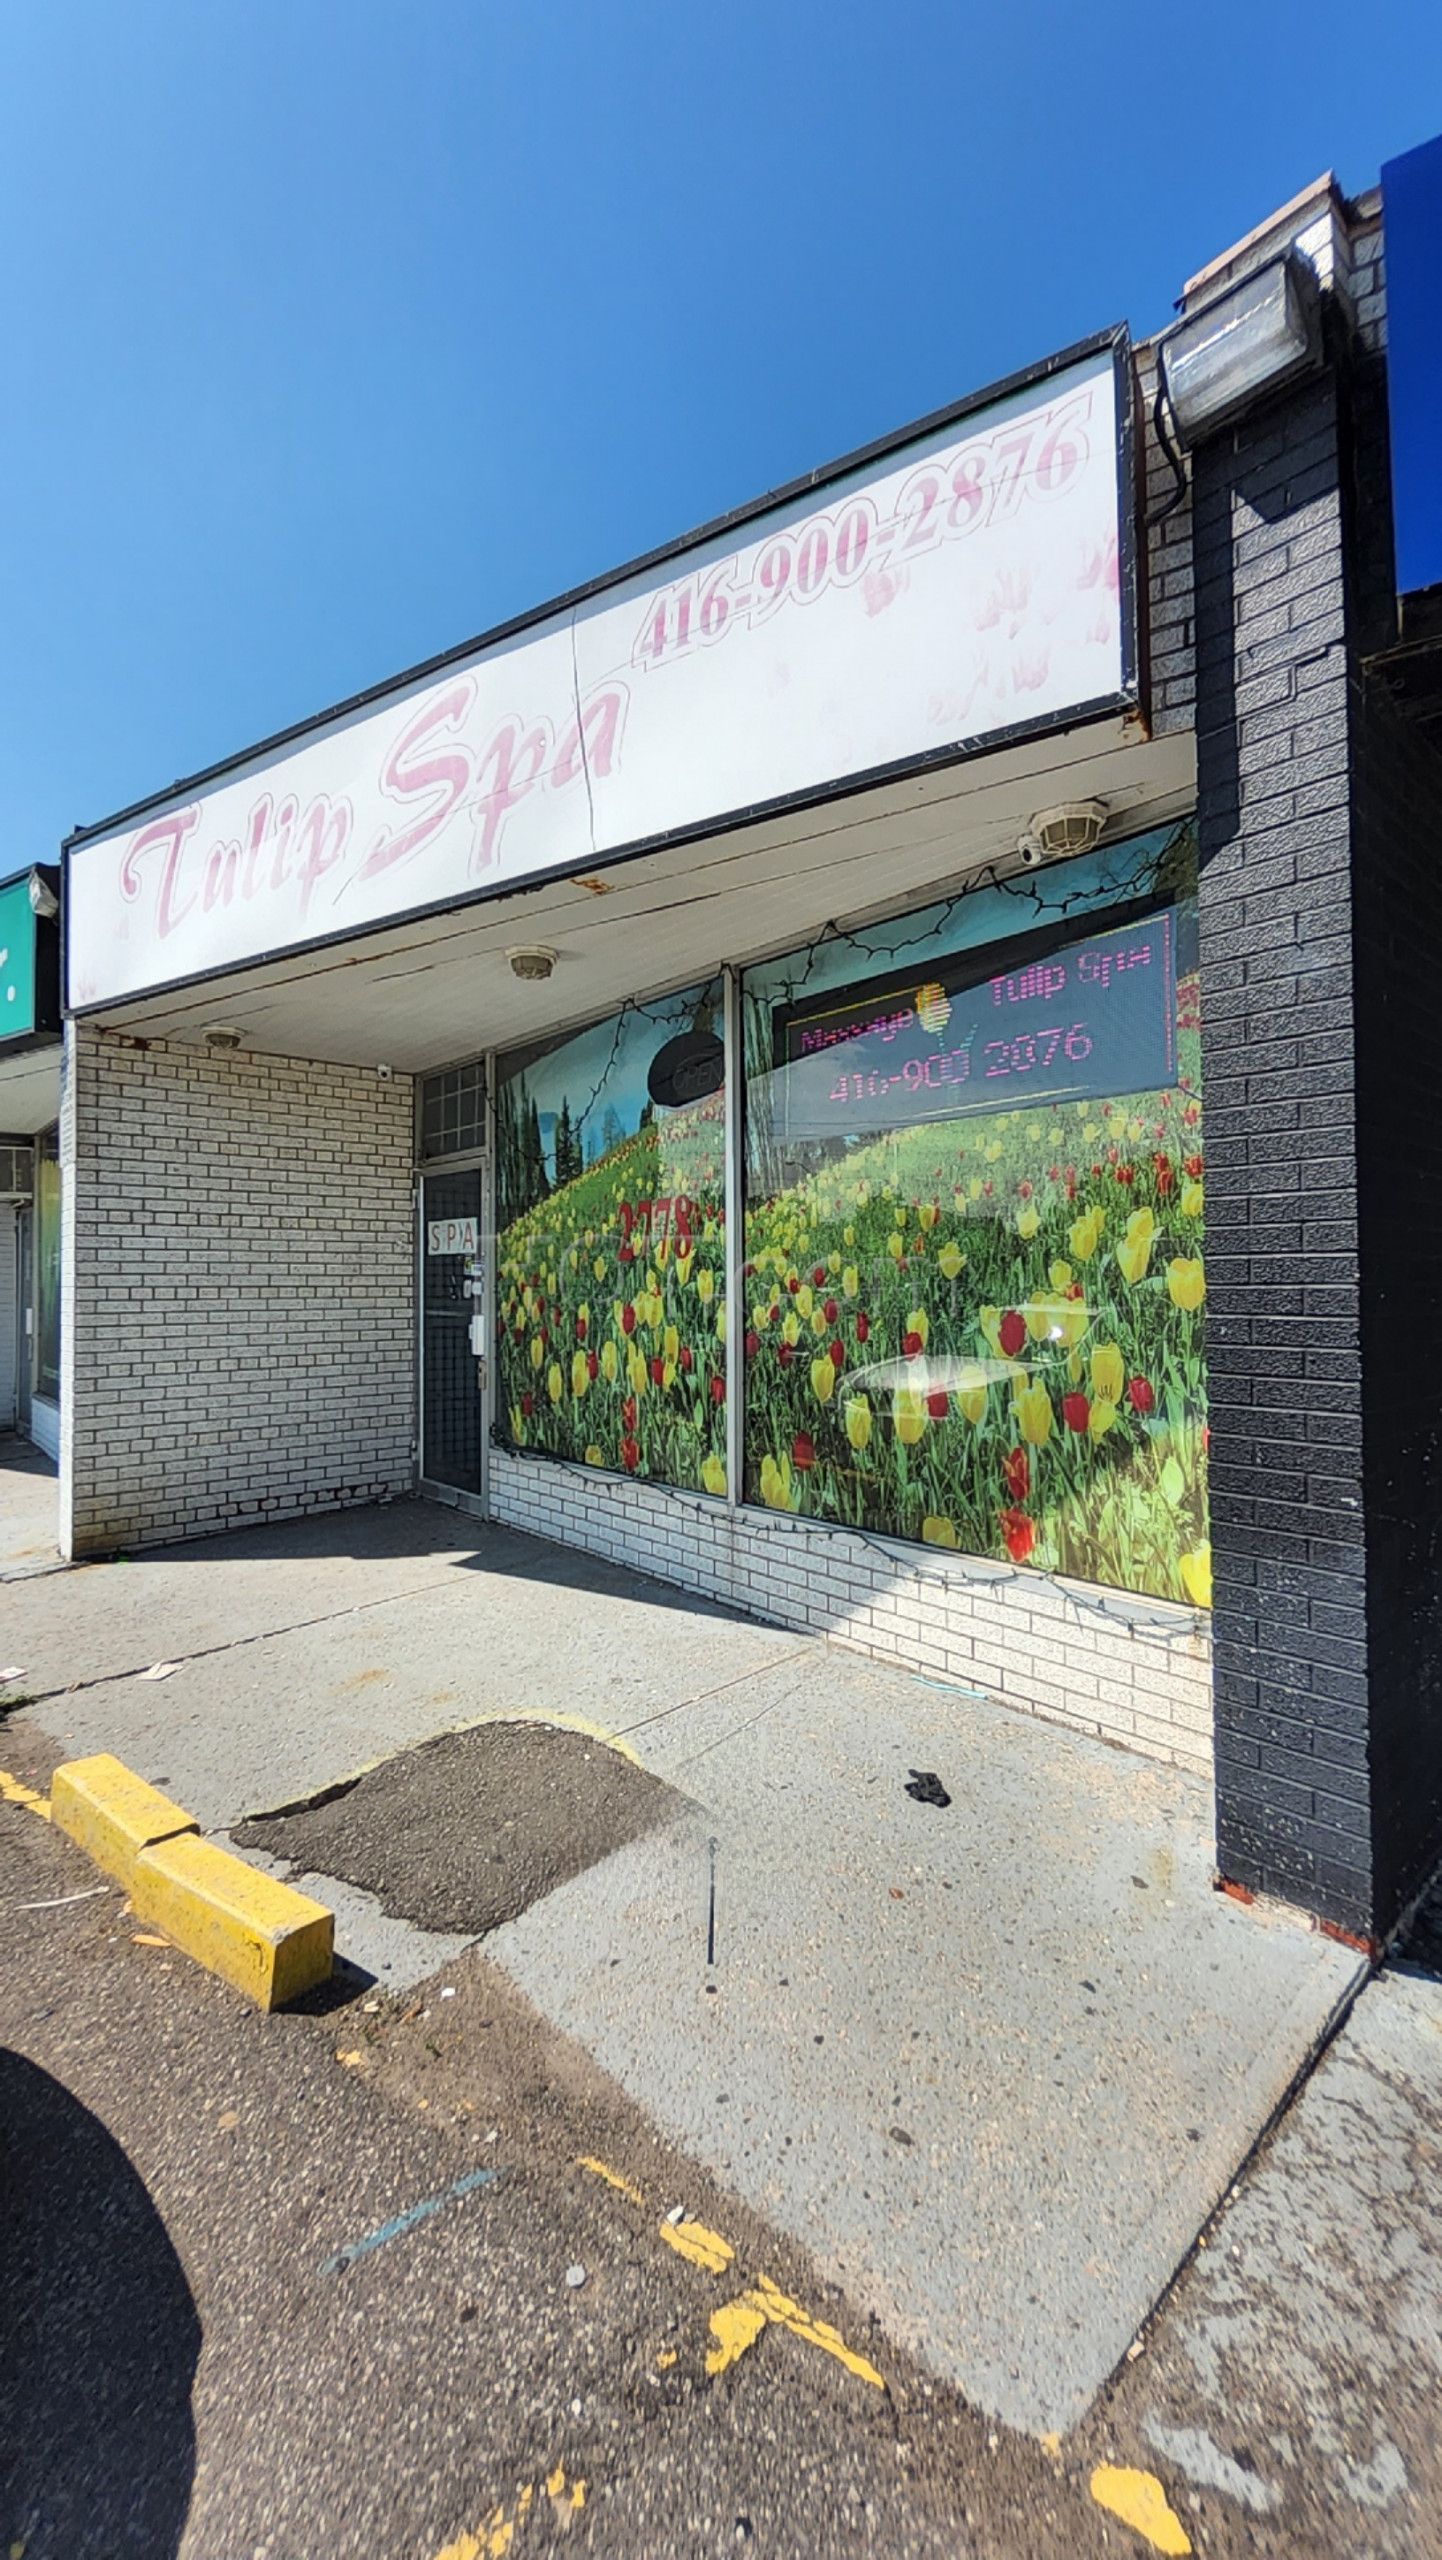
[[735, 1235]]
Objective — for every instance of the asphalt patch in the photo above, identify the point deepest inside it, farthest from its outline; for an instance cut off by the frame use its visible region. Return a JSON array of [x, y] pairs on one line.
[[470, 1829]]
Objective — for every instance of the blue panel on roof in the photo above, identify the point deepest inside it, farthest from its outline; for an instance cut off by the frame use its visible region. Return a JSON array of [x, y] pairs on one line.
[[1412, 211]]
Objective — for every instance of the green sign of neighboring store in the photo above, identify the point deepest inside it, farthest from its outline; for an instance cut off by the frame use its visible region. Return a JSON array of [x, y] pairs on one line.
[[29, 985]]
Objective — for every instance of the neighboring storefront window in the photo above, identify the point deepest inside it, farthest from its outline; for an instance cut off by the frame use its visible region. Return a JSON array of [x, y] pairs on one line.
[[974, 1277], [610, 1151], [47, 1265]]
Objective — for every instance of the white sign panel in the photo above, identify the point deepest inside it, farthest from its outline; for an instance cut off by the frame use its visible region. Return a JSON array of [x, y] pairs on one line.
[[451, 1235], [961, 586]]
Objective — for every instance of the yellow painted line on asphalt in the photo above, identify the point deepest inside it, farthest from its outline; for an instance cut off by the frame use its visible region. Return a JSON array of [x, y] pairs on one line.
[[493, 2540], [613, 2178], [703, 2248], [14, 1791], [1139, 2500]]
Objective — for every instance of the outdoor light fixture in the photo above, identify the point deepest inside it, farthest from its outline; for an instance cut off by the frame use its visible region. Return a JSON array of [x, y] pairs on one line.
[[1256, 336], [43, 901], [221, 1035], [1073, 826], [531, 960]]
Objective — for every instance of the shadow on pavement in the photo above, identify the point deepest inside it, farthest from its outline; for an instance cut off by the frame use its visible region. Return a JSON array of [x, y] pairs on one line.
[[99, 2337]]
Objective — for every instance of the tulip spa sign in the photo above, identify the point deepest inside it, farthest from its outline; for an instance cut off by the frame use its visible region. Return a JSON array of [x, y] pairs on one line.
[[965, 583]]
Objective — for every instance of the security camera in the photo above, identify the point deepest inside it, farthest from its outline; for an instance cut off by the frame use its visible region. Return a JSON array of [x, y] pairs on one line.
[[1030, 854]]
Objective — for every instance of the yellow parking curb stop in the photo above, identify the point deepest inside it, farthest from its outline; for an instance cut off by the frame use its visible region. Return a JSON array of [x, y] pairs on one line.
[[268, 1940], [111, 1814]]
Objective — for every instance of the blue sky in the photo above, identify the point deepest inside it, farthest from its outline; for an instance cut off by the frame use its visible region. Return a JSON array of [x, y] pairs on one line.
[[337, 330]]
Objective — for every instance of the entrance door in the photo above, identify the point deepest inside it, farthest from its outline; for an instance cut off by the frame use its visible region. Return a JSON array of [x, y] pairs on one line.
[[24, 1319], [455, 1328]]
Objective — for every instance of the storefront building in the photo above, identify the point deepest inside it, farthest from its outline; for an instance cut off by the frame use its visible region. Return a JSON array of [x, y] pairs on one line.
[[854, 1066], [30, 1058]]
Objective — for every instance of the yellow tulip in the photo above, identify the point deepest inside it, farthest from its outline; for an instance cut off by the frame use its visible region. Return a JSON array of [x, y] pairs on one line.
[[1186, 1282], [1109, 1373], [1135, 1250], [713, 1474], [720, 1324], [1196, 1570], [971, 1393], [1101, 1418], [553, 1382], [593, 1455], [858, 1421], [850, 1281], [671, 1344], [1034, 1415], [804, 1300], [776, 1483], [975, 1187], [894, 1246], [848, 1235], [1027, 1222], [580, 1374], [928, 1213], [1193, 1200], [909, 1416], [823, 1379], [610, 1363], [706, 1284], [819, 1323], [1085, 1234], [1060, 1275], [598, 1268], [938, 1532], [791, 1331], [989, 1319], [538, 1351], [951, 1260]]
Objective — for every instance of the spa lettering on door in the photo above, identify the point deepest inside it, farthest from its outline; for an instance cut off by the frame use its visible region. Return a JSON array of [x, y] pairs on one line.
[[432, 775]]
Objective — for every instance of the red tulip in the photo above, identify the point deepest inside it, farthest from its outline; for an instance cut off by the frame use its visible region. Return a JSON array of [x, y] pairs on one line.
[[628, 1413], [837, 1356], [1016, 1474], [1076, 1413], [753, 1344], [1126, 1173], [1140, 1393], [718, 1389], [688, 1359], [628, 1320], [863, 1328], [1011, 1333], [658, 1370], [593, 1365], [793, 1284], [1023, 1191], [630, 1455], [938, 1404], [912, 1345], [831, 1311], [785, 1353], [528, 1404], [1019, 1533], [1195, 1166], [803, 1451], [818, 1276], [581, 1328]]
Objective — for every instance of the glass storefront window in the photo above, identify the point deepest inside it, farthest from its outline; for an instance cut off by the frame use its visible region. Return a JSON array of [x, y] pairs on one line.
[[47, 1265], [610, 1152], [974, 1275]]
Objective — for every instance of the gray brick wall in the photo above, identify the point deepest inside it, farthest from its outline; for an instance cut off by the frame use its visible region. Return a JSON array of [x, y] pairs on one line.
[[240, 1264]]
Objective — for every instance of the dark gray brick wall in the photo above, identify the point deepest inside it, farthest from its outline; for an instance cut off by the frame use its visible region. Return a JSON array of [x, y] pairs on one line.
[[1274, 686], [1321, 906]]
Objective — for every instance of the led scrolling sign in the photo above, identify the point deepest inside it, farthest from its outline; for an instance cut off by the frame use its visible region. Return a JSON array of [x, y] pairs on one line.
[[1091, 1018]]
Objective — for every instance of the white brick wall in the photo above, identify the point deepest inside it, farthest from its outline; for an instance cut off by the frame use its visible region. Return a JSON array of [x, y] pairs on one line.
[[239, 1301], [1137, 1672]]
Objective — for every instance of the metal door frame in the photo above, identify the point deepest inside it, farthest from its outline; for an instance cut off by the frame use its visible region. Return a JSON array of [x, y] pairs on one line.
[[472, 1160]]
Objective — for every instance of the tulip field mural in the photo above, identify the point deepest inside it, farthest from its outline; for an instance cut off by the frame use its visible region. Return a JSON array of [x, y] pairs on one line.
[[974, 1270], [980, 1327], [611, 1331]]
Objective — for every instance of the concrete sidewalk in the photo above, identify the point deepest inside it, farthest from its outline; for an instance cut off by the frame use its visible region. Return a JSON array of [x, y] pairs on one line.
[[992, 2063], [29, 1509]]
